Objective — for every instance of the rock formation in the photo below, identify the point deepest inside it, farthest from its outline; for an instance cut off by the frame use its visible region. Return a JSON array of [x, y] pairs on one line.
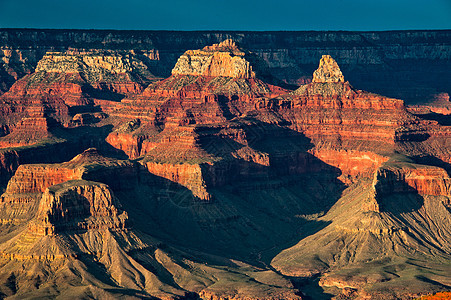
[[328, 71], [62, 80], [212, 85], [374, 61], [28, 131], [223, 59], [424, 180], [81, 224], [76, 205], [224, 166], [122, 74]]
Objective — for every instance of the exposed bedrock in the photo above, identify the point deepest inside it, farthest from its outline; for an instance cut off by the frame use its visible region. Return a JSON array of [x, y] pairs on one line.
[[76, 205], [410, 65]]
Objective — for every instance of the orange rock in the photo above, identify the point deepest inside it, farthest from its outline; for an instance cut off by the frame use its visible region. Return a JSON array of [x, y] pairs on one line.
[[188, 175], [328, 71], [29, 131], [37, 178], [224, 59], [352, 163], [437, 296], [329, 110], [425, 180]]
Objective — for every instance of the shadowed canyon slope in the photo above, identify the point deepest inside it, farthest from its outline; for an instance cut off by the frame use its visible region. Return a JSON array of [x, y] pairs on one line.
[[220, 180]]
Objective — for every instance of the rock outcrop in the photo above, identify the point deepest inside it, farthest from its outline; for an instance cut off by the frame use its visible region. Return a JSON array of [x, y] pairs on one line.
[[331, 112], [187, 175], [29, 131], [80, 223], [207, 86], [215, 151], [374, 61], [223, 59], [30, 180], [76, 205], [328, 71], [62, 80], [356, 239], [115, 72], [424, 180]]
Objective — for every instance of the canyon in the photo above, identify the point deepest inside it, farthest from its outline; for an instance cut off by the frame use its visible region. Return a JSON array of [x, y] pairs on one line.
[[133, 166], [409, 65]]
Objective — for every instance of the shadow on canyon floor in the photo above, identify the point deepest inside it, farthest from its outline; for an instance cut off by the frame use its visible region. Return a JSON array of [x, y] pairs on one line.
[[444, 120], [257, 210]]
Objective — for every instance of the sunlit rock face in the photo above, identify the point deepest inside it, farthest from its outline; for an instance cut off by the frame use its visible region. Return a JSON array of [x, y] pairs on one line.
[[328, 71], [223, 59], [213, 165]]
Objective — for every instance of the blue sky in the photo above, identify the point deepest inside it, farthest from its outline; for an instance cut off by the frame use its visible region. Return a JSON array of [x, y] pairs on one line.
[[227, 15]]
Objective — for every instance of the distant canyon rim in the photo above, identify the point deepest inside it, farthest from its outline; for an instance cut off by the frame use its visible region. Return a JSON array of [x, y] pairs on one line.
[[225, 165]]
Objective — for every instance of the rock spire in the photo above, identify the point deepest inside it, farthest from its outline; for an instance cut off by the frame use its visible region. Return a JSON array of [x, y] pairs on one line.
[[328, 71]]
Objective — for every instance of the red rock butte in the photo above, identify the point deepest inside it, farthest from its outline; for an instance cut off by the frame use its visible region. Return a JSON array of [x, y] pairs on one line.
[[223, 59], [216, 182]]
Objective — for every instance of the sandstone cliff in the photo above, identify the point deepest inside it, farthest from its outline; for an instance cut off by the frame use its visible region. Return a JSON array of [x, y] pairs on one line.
[[425, 180], [76, 205], [359, 183], [392, 63], [331, 112], [62, 80], [79, 225], [328, 71], [223, 59]]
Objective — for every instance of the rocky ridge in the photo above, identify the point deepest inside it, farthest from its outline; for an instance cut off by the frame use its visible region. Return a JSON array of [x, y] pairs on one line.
[[81, 224], [217, 151], [71, 202], [409, 65], [120, 73], [63, 80]]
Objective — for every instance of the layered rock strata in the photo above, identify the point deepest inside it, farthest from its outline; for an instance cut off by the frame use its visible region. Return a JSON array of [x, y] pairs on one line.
[[76, 205], [424, 180], [352, 130], [223, 59], [345, 169], [63, 80], [337, 117], [30, 181], [410, 65]]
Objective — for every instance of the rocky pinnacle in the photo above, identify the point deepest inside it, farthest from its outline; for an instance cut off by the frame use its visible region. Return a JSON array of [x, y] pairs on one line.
[[328, 71]]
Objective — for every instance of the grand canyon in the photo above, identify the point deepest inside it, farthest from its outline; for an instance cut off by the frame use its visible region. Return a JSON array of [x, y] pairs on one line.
[[225, 165]]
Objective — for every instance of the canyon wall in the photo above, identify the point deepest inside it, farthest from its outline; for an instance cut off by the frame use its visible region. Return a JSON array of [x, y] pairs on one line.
[[411, 65]]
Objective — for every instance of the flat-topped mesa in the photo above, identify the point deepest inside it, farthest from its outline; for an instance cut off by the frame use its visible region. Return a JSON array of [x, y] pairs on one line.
[[423, 179], [30, 181], [74, 78], [90, 165], [75, 205], [328, 71], [91, 61], [211, 85], [223, 59], [114, 71]]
